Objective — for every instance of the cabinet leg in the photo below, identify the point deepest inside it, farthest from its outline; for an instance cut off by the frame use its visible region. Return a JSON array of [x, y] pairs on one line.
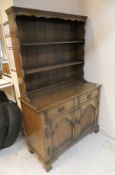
[[97, 129], [47, 167]]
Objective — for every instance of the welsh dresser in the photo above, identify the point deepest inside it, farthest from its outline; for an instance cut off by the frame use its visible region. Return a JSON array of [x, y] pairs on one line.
[[59, 107]]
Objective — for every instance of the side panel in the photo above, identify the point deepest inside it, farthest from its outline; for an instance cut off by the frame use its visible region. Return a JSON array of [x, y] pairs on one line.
[[33, 129]]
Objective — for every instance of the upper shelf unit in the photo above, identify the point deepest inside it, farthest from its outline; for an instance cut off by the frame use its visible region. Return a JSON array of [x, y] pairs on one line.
[[51, 46]]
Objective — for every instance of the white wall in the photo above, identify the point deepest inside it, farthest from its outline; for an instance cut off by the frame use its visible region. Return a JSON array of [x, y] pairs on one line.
[[66, 6], [100, 56]]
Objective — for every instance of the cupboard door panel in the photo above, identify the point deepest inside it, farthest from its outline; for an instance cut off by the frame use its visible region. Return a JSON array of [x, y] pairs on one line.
[[61, 132], [85, 117]]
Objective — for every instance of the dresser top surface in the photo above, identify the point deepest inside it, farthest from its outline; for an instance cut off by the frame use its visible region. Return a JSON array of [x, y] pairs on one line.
[[54, 95]]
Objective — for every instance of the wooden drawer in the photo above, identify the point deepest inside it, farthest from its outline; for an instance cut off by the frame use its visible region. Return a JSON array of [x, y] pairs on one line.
[[61, 108], [88, 96]]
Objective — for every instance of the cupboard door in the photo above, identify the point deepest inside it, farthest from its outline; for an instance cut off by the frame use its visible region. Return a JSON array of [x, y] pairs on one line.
[[85, 117], [61, 132]]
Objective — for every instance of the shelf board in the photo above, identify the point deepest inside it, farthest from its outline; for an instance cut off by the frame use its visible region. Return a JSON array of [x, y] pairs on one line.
[[51, 67], [53, 43]]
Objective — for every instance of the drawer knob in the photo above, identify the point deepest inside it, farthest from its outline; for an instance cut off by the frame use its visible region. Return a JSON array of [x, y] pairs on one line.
[[89, 96], [61, 109]]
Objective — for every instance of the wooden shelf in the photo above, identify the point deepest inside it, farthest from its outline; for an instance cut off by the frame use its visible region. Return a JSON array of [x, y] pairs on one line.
[[52, 43], [51, 67]]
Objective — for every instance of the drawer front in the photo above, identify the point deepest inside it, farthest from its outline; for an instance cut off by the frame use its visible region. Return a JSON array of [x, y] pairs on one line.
[[58, 110], [88, 96]]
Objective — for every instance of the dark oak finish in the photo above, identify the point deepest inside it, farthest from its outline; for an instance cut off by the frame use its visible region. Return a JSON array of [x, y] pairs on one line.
[[51, 67], [59, 107]]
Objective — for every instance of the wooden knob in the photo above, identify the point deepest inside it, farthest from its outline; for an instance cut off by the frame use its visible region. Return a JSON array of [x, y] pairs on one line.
[[89, 96], [61, 109]]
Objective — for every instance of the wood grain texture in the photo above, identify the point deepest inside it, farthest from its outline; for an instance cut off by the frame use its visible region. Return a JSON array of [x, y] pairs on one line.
[[59, 106], [46, 14]]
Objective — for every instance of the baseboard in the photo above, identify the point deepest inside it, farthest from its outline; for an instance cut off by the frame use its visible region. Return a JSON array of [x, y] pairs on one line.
[[107, 133]]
